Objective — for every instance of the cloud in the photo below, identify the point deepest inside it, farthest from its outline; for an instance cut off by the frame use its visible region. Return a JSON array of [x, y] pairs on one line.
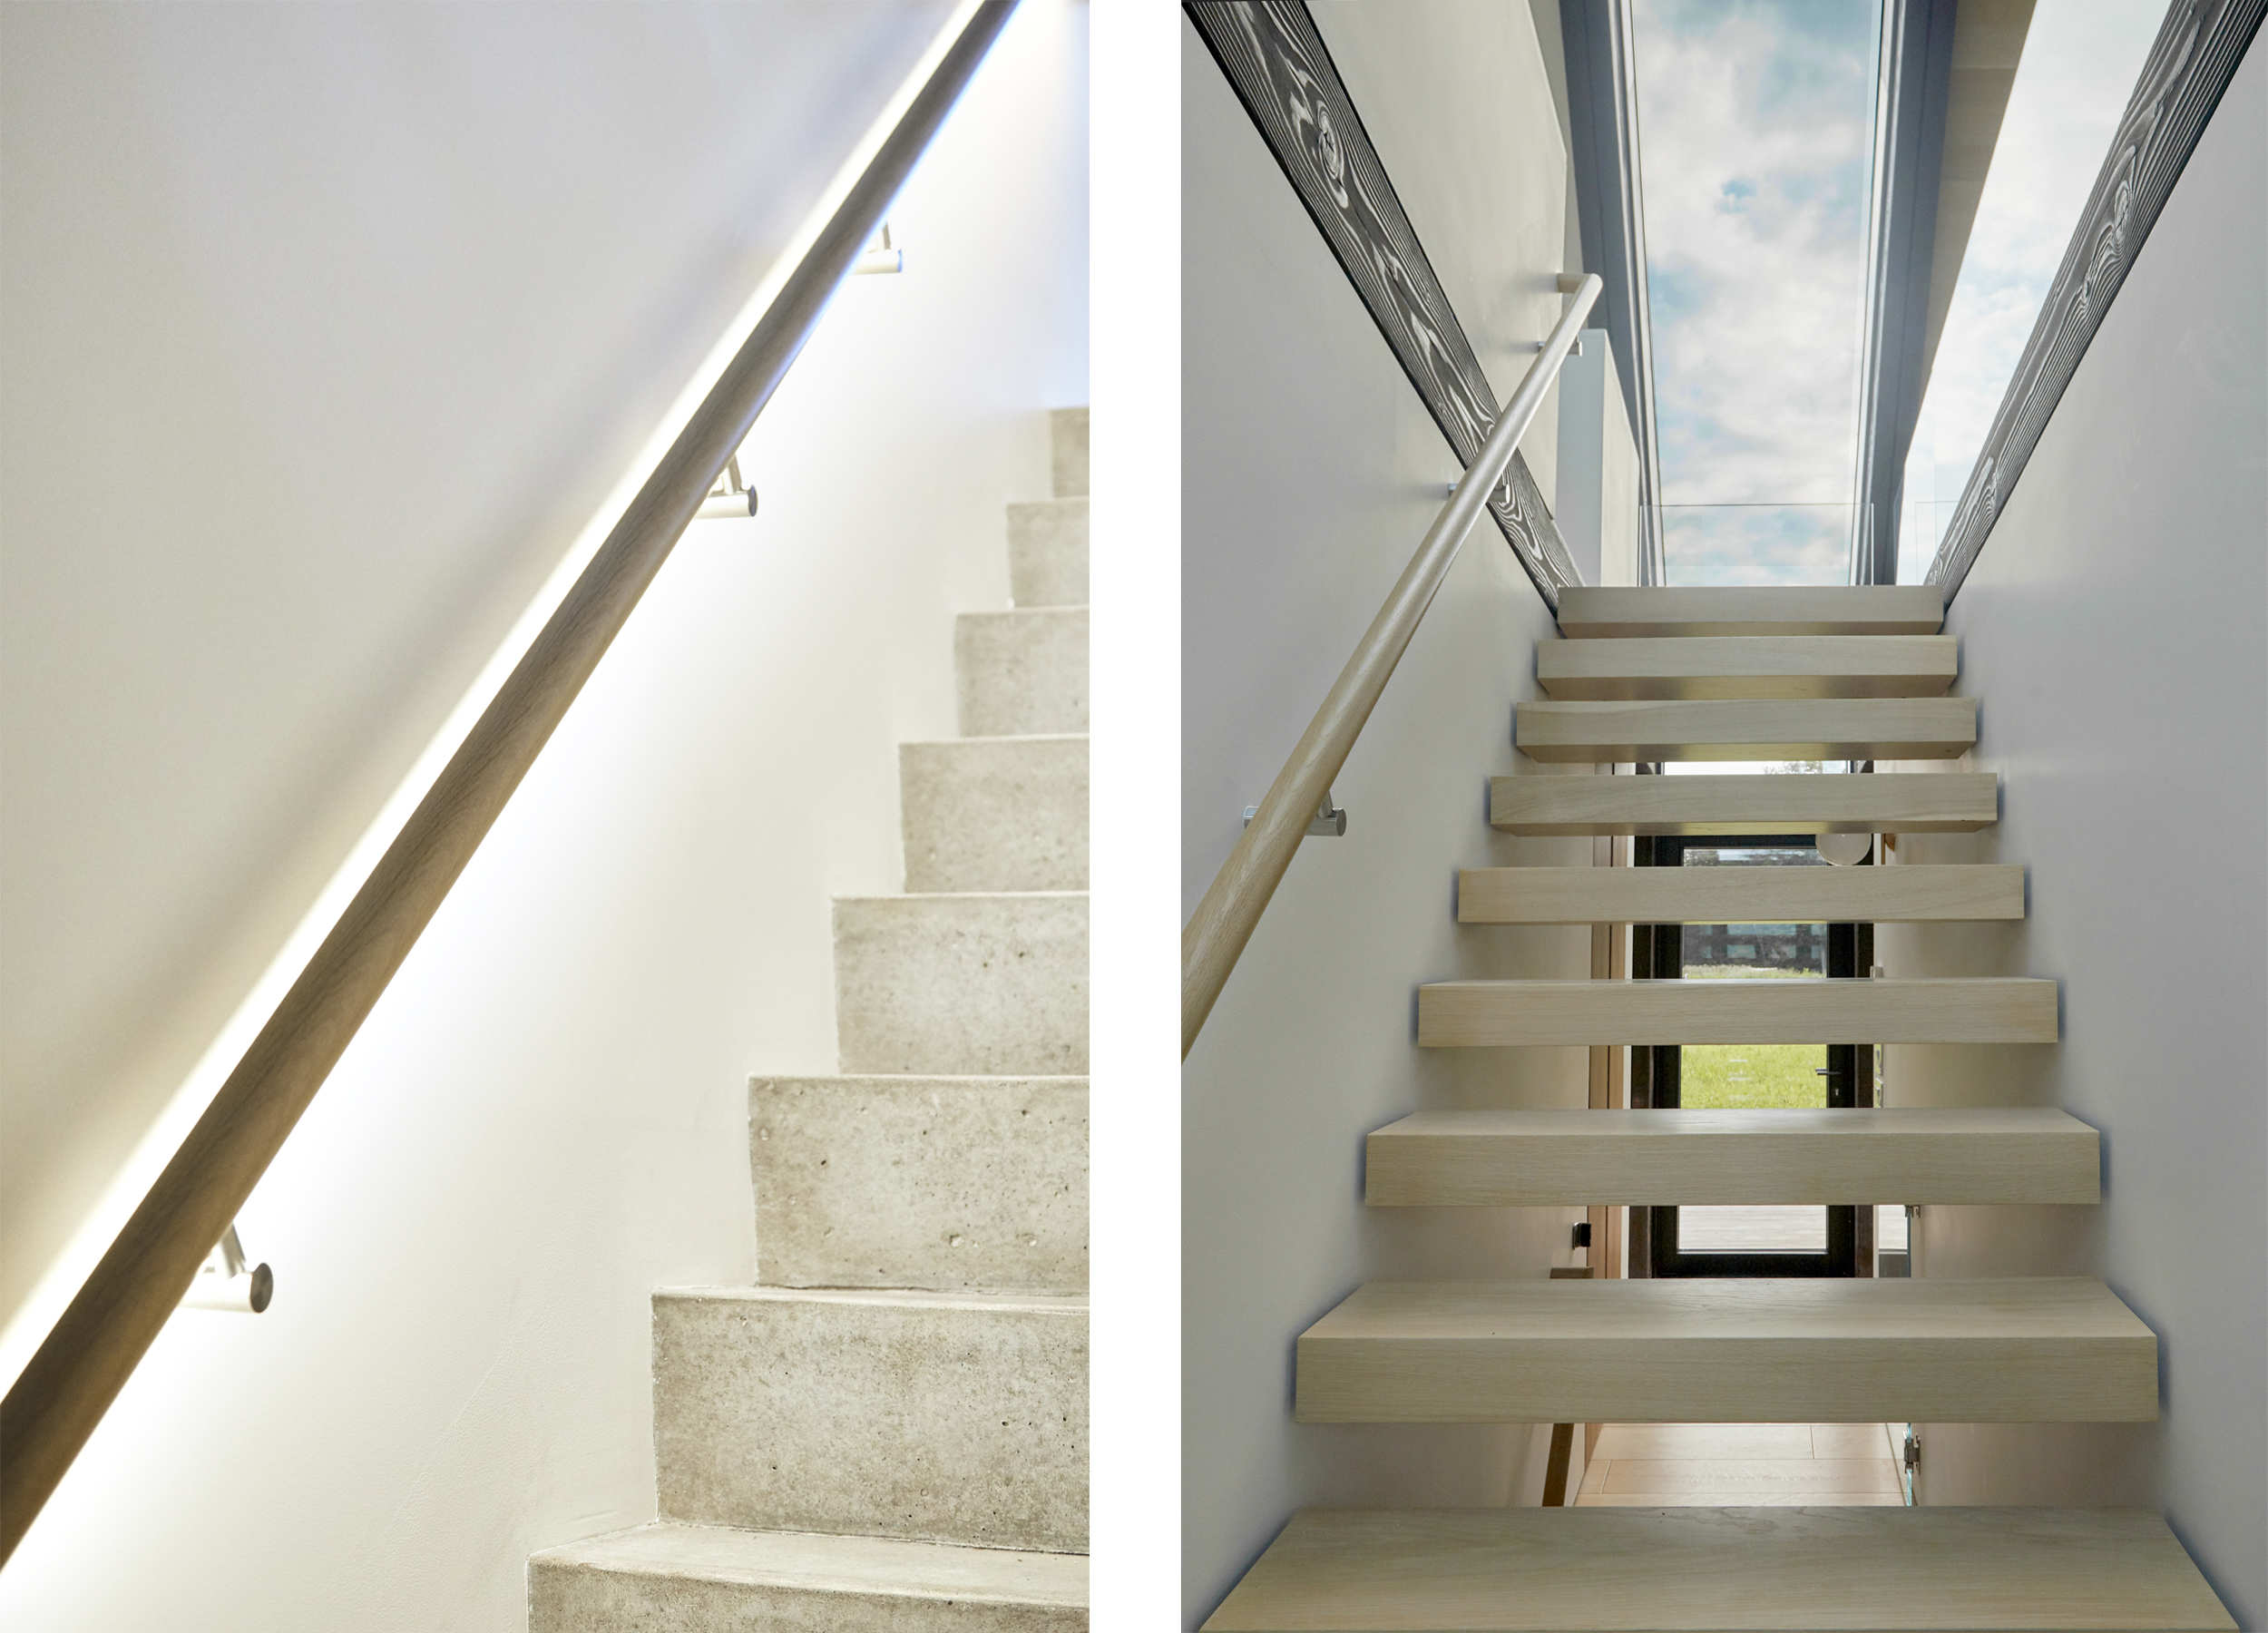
[[2081, 60], [1757, 132]]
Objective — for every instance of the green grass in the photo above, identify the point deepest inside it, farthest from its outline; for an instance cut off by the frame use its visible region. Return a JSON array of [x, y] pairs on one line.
[[1739, 1076], [1743, 972]]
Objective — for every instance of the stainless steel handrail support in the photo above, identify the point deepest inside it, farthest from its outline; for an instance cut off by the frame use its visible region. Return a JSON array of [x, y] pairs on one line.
[[1216, 935]]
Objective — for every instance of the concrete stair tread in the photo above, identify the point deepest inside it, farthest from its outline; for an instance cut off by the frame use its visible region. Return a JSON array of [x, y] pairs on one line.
[[1889, 802], [881, 1297], [1738, 895], [994, 814], [1816, 1349], [1022, 672], [1607, 611], [954, 1417], [1067, 449], [1822, 1569], [818, 1564], [1749, 666], [1798, 1010], [1506, 1158], [941, 1183], [1047, 552], [1713, 728], [960, 982]]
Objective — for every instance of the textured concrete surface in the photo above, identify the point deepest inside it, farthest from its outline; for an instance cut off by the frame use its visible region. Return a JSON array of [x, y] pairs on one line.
[[994, 814], [1047, 554], [694, 1579], [989, 985], [1067, 435], [932, 1416], [941, 1183], [1021, 673]]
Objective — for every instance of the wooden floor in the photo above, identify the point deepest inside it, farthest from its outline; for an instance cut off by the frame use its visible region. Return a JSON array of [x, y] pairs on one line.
[[1743, 1465]]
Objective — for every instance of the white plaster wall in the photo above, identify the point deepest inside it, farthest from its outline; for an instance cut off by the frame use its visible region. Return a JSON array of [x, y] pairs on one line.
[[1597, 507], [323, 329], [1310, 471], [2116, 629], [545, 1118]]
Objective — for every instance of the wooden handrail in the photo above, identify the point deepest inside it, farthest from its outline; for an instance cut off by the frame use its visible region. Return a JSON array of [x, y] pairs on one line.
[[61, 1394], [1216, 935]]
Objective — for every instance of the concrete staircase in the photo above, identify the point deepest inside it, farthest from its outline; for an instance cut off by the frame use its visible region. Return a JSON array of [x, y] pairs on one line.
[[1730, 675], [889, 1430]]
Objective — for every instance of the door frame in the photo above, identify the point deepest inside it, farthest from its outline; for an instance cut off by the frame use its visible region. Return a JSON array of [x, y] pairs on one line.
[[1656, 952]]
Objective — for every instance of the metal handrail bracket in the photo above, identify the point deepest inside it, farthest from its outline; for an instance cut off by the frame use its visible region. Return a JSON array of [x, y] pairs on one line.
[[1216, 935]]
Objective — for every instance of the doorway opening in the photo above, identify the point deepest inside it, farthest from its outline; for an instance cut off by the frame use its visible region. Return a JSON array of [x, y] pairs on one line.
[[1763, 1240]]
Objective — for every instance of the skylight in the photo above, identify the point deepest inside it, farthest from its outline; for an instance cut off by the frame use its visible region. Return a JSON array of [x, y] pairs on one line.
[[2080, 61], [1757, 135]]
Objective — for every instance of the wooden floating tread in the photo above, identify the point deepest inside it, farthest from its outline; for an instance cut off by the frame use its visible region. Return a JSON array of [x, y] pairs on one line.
[[1750, 666], [1713, 1570], [1738, 895], [1590, 612], [1494, 1159], [1882, 802], [1710, 1350], [1813, 1010], [1893, 728]]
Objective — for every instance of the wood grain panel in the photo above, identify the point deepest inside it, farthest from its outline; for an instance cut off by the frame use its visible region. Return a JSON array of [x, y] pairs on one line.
[[1750, 666], [1823, 1570], [1499, 1158], [1738, 895], [1900, 728], [1712, 1350], [1888, 802], [1981, 1009], [1600, 612]]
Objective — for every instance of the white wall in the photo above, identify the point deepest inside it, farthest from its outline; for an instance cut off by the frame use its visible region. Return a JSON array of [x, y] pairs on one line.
[[1598, 506], [323, 329], [1310, 471], [2116, 629], [545, 1117]]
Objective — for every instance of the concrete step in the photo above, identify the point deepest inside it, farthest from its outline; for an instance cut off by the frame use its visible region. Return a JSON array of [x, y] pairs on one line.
[[1497, 1158], [1718, 1350], [1021, 673], [1685, 1569], [702, 1578], [962, 985], [1750, 666], [1067, 438], [944, 1183], [928, 1416], [1738, 895], [1455, 1014], [1803, 729], [1607, 612], [1047, 554], [989, 814], [1881, 802]]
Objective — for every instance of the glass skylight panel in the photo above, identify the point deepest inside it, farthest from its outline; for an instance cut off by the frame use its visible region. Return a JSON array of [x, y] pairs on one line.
[[1756, 139], [2081, 59]]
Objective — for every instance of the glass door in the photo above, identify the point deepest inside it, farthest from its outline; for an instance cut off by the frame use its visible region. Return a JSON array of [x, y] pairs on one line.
[[1760, 1240]]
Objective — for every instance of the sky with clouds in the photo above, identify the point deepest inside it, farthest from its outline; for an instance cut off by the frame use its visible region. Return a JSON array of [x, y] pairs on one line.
[[1756, 137], [2080, 63]]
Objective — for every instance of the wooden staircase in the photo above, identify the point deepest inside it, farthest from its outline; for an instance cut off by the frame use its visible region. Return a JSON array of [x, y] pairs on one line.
[[1732, 675]]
